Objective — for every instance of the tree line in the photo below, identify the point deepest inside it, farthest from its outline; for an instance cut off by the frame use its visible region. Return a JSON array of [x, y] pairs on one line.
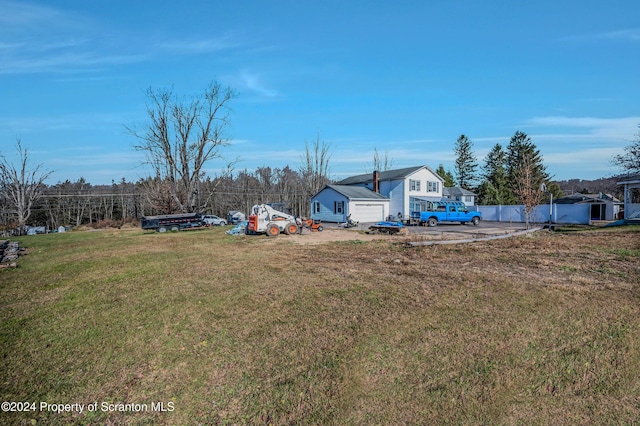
[[511, 176], [75, 203], [182, 135]]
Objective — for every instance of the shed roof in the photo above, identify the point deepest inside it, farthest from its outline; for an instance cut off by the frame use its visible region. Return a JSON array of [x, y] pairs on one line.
[[456, 191], [386, 175], [629, 180], [587, 198]]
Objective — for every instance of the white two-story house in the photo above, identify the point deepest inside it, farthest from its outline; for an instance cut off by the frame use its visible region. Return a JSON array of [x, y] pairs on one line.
[[388, 195]]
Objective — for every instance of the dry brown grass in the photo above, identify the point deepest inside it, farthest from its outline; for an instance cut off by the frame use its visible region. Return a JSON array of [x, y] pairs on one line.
[[541, 329]]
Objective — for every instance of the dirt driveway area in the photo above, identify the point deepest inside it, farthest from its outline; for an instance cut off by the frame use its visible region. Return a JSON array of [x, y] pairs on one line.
[[333, 232]]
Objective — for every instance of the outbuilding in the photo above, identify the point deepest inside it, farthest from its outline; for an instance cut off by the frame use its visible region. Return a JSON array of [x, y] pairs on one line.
[[603, 206]]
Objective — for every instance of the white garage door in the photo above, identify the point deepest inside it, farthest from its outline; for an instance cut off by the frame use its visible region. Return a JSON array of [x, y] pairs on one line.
[[368, 212]]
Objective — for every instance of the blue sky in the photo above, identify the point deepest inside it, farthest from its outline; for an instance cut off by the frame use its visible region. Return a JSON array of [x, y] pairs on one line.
[[406, 78]]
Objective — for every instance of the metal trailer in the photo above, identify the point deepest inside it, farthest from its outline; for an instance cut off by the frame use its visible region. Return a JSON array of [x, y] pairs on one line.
[[172, 222], [391, 228]]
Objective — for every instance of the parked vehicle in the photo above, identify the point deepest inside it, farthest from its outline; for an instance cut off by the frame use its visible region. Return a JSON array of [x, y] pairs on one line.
[[313, 225], [214, 220], [448, 211], [235, 217], [264, 219], [172, 222], [239, 229]]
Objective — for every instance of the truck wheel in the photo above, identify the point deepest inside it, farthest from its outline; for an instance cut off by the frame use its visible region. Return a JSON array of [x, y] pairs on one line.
[[162, 229], [475, 221], [174, 229], [273, 230], [432, 221], [291, 229]]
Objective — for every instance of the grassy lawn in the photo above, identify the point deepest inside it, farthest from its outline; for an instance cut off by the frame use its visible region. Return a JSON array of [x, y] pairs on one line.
[[543, 329]]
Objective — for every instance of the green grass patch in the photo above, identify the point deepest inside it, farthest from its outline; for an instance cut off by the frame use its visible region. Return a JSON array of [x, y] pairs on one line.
[[252, 330]]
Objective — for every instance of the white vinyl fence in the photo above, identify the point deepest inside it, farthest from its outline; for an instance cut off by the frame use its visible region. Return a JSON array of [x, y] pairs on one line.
[[561, 213]]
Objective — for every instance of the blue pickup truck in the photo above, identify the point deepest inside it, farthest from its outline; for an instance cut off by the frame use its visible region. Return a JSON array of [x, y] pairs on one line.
[[447, 211]]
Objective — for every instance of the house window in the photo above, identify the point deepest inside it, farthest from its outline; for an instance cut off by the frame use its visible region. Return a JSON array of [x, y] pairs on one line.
[[432, 186], [414, 185], [338, 207], [468, 199], [316, 207]]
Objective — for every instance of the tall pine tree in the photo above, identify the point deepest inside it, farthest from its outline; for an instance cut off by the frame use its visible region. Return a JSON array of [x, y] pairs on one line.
[[524, 165], [466, 163], [494, 189]]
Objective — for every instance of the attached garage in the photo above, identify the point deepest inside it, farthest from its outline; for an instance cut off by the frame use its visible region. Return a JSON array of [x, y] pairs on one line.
[[368, 211]]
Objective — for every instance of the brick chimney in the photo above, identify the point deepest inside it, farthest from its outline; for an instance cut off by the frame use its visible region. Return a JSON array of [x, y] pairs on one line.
[[376, 181]]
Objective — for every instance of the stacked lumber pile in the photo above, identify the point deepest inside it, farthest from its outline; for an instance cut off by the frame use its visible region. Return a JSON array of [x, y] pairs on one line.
[[9, 252]]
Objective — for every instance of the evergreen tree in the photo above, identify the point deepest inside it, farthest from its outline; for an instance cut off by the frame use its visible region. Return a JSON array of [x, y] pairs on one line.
[[523, 160], [449, 181], [494, 189], [466, 163]]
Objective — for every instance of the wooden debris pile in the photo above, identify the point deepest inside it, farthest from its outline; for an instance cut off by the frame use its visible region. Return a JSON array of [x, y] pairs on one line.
[[9, 252]]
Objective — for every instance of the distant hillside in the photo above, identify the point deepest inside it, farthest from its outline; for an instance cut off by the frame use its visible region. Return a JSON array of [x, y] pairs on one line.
[[604, 185]]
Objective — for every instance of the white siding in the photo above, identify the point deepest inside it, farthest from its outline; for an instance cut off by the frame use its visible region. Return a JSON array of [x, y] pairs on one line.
[[425, 176], [397, 198]]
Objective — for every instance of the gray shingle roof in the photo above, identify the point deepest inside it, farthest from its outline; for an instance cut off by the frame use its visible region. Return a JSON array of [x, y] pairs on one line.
[[590, 198], [387, 175], [353, 192], [456, 191], [629, 179]]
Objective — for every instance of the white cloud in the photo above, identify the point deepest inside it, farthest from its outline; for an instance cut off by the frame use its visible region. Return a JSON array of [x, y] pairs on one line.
[[43, 39], [78, 121], [19, 14], [38, 39], [625, 35], [104, 159], [195, 46], [583, 156], [255, 83], [613, 130]]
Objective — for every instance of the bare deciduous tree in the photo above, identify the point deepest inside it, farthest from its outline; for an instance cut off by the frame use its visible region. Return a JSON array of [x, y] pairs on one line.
[[182, 137], [527, 187], [22, 186], [629, 162], [381, 162], [315, 166]]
